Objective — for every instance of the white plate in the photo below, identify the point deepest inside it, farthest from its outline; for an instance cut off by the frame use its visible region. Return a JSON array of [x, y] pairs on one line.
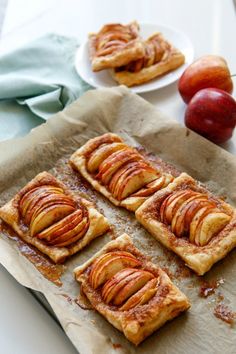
[[103, 78]]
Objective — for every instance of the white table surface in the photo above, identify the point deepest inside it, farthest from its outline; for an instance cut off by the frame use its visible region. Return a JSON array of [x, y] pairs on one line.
[[25, 327]]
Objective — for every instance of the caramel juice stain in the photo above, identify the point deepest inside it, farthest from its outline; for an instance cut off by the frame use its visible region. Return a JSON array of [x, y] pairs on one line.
[[45, 266]]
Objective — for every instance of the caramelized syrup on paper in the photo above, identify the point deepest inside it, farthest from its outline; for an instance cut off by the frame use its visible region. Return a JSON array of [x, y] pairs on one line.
[[82, 301], [208, 288], [49, 270], [224, 313]]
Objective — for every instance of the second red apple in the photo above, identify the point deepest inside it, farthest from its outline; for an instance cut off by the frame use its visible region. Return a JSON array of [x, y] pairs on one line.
[[212, 114]]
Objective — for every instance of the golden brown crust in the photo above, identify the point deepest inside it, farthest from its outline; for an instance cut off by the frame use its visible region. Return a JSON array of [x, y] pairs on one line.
[[79, 162], [139, 322], [115, 45], [198, 258], [171, 59], [10, 213]]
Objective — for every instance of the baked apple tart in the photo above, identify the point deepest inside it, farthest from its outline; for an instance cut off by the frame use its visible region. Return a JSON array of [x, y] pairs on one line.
[[192, 222], [135, 296], [115, 45], [54, 220], [160, 58], [118, 171]]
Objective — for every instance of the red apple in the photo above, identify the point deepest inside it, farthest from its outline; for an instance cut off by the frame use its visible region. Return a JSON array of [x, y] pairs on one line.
[[212, 114], [207, 71]]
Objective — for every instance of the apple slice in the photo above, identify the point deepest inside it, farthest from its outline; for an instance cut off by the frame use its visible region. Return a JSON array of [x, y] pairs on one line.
[[154, 186], [100, 154], [136, 282], [42, 199], [47, 201], [179, 214], [130, 178], [127, 171], [194, 206], [121, 171], [32, 196], [70, 233], [94, 143], [174, 202], [48, 216], [62, 226], [178, 224], [114, 284], [135, 181], [211, 225], [68, 241], [142, 296], [163, 206], [179, 202], [109, 265], [200, 214], [115, 161]]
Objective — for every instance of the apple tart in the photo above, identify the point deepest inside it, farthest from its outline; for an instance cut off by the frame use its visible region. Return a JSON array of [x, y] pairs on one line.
[[115, 45], [50, 217], [190, 221], [135, 296], [160, 58], [118, 171]]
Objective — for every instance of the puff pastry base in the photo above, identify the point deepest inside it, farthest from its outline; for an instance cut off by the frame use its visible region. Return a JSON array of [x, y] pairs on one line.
[[134, 49], [78, 162], [172, 59], [10, 214], [139, 322], [198, 258]]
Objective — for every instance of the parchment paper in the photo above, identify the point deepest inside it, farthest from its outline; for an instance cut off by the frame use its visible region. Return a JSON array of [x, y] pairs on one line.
[[120, 111]]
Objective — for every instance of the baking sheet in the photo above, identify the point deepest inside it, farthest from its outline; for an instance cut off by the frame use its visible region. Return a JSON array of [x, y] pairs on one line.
[[47, 148]]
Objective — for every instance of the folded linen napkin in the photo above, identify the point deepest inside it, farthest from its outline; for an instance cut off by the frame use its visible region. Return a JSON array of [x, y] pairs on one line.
[[37, 81]]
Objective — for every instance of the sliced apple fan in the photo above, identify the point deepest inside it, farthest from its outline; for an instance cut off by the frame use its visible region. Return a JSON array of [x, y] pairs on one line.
[[127, 289], [118, 171], [47, 215], [191, 221]]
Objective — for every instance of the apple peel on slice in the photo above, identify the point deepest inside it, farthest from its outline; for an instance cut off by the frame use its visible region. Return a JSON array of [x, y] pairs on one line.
[[174, 202], [121, 174], [44, 200], [114, 162], [211, 225], [154, 186], [117, 282], [135, 179], [129, 170], [141, 297], [198, 217], [62, 226], [70, 233], [109, 265], [100, 154], [69, 241], [48, 216], [136, 282], [182, 218], [194, 207], [32, 196], [95, 143]]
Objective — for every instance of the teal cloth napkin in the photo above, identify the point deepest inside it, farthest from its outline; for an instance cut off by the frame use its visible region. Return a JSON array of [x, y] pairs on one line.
[[37, 81]]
